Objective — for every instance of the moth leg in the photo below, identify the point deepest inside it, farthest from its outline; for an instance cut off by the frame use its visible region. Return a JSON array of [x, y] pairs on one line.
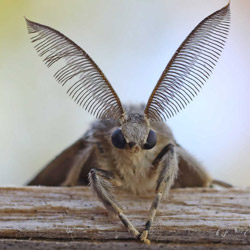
[[102, 181], [167, 159]]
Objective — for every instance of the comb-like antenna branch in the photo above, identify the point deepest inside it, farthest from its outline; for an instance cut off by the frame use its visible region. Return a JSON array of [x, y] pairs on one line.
[[87, 84], [190, 66]]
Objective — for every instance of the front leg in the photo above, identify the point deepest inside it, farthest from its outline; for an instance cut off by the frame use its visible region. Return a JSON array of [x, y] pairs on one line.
[[167, 159], [102, 181]]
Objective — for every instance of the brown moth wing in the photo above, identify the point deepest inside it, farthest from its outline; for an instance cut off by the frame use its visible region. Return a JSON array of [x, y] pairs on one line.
[[191, 173], [57, 171]]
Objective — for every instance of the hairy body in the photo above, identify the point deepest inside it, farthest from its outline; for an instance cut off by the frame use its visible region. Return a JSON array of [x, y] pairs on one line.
[[133, 170]]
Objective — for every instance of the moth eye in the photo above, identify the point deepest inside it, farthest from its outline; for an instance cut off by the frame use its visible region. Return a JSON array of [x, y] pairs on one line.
[[151, 140], [118, 139]]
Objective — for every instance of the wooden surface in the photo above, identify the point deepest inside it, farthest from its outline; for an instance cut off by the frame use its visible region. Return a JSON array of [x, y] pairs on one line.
[[73, 218]]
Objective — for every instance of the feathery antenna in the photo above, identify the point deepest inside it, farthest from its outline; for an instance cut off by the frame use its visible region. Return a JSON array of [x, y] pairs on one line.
[[190, 66], [88, 86]]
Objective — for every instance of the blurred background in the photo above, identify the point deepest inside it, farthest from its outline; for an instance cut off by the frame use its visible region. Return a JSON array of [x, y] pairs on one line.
[[132, 42]]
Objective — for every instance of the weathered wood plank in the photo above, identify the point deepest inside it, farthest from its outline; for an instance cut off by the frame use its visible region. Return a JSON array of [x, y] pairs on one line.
[[48, 216], [8, 244]]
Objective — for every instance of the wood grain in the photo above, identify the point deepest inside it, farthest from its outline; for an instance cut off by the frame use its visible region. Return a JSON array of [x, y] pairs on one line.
[[62, 218]]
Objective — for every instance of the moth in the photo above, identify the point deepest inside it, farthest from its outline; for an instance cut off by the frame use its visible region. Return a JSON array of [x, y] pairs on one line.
[[130, 147]]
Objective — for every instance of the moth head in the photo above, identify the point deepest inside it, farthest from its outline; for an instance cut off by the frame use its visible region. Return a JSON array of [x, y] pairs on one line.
[[134, 134]]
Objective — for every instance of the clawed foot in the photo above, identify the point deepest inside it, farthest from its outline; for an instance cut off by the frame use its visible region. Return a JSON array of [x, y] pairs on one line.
[[144, 237]]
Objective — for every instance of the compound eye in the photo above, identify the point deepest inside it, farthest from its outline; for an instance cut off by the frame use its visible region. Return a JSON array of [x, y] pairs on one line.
[[151, 140], [118, 139]]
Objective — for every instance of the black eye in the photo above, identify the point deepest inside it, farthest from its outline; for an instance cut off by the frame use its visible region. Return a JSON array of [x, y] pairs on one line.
[[151, 141], [118, 139]]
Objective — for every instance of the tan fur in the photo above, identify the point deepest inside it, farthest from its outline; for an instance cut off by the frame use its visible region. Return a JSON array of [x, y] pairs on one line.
[[133, 168]]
